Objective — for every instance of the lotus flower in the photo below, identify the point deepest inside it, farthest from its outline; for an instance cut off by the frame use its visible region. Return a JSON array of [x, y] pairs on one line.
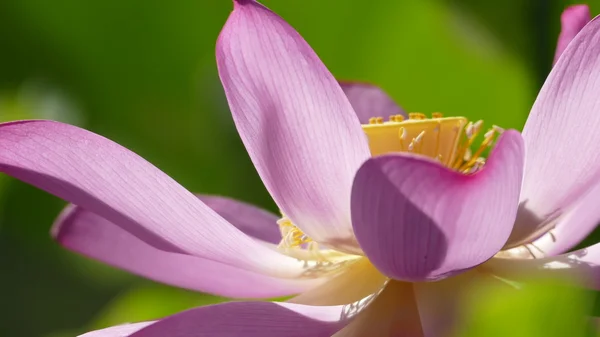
[[382, 225]]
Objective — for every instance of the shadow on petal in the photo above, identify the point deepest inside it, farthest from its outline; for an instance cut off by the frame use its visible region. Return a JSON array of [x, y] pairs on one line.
[[250, 319], [417, 220], [399, 238]]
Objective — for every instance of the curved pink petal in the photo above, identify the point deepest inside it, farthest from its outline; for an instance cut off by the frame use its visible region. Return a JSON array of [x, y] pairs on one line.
[[118, 331], [113, 182], [248, 218], [573, 227], [561, 137], [370, 101], [294, 119], [250, 319], [581, 266], [417, 220], [572, 20], [93, 236]]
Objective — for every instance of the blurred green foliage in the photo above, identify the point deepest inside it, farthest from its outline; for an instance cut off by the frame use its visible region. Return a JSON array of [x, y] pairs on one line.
[[142, 72], [545, 308]]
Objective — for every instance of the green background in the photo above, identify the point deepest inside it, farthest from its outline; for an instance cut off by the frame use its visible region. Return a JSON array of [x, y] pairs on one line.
[[143, 73]]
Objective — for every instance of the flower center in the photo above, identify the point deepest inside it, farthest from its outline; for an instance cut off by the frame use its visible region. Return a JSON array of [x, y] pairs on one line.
[[534, 249], [447, 140], [317, 261], [293, 237]]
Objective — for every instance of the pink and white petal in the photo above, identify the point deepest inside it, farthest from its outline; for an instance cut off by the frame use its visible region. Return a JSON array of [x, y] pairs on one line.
[[561, 137], [250, 319], [581, 266], [251, 220], [370, 101], [572, 20], [391, 313], [93, 236], [417, 220], [572, 228], [344, 287], [298, 126], [440, 303], [118, 331], [115, 183]]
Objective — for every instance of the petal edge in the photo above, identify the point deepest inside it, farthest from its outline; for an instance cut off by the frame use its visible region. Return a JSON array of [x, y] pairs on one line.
[[417, 220]]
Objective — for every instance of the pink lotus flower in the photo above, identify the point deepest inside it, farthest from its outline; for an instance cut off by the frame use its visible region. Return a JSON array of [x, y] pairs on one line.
[[369, 222]]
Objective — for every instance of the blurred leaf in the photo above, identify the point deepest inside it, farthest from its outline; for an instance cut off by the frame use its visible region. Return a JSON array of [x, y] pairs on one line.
[[541, 308], [35, 99], [66, 333]]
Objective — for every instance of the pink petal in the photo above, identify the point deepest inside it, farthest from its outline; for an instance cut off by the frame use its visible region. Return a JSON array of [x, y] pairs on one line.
[[95, 237], [573, 227], [417, 220], [572, 20], [370, 101], [581, 266], [250, 319], [561, 137], [294, 119], [117, 331], [250, 219], [113, 182], [441, 303]]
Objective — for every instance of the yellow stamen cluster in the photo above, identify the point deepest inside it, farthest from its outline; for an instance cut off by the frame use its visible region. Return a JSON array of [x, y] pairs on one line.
[[448, 140], [468, 161], [317, 261], [291, 236]]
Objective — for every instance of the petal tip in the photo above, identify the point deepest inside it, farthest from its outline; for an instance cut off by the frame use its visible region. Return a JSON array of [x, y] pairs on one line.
[[579, 11], [572, 20], [57, 229], [237, 3]]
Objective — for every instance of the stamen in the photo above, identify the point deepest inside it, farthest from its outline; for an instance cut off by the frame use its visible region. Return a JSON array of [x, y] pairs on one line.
[[315, 260], [291, 236], [297, 244], [469, 130], [402, 134], [416, 116], [447, 140], [415, 141], [402, 138], [478, 125], [396, 118], [475, 160], [468, 155]]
